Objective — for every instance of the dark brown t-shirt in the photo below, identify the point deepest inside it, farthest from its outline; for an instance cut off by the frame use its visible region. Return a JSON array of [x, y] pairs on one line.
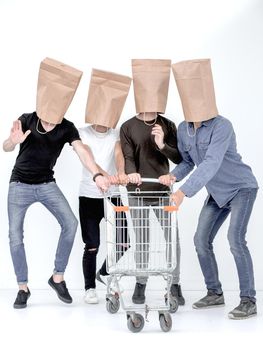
[[143, 156]]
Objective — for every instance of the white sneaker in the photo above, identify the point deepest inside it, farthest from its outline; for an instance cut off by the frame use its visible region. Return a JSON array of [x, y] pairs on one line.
[[91, 296]]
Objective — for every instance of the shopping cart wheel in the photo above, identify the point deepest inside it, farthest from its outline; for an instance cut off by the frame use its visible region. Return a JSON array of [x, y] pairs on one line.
[[173, 304], [113, 305], [165, 321], [135, 323]]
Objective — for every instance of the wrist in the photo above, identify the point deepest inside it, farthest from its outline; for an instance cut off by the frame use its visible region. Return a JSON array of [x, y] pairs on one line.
[[96, 175], [161, 146]]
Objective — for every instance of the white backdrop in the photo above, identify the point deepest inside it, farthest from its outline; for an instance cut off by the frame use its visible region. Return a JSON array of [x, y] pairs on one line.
[[106, 35]]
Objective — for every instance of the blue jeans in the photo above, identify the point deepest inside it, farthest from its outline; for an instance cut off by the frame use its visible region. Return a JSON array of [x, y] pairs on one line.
[[210, 220], [20, 197]]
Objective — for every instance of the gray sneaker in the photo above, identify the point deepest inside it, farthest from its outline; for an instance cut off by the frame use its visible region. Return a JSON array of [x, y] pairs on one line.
[[245, 309], [210, 300]]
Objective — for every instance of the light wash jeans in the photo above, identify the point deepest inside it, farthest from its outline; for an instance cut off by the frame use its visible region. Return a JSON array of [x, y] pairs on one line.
[[20, 197], [140, 218], [210, 220]]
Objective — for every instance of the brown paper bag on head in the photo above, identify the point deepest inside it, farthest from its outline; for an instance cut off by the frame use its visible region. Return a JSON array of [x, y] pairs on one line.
[[57, 84], [194, 82], [151, 81], [107, 95]]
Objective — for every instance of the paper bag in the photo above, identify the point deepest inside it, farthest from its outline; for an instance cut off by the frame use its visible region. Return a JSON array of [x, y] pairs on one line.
[[194, 82], [57, 84], [106, 98], [151, 81]]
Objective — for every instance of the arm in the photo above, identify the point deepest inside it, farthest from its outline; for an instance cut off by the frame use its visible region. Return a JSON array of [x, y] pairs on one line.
[[128, 152], [167, 144], [87, 159], [215, 154], [120, 164], [16, 136]]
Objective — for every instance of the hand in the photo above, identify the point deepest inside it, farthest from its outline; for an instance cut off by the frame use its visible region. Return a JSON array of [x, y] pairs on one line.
[[135, 178], [123, 179], [17, 135], [102, 183], [177, 198], [113, 179], [158, 133], [167, 180]]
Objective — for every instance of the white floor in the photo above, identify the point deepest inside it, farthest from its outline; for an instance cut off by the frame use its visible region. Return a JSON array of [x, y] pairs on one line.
[[48, 323]]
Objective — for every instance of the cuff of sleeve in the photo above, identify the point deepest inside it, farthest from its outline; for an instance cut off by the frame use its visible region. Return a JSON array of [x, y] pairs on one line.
[[130, 170], [187, 190], [177, 174]]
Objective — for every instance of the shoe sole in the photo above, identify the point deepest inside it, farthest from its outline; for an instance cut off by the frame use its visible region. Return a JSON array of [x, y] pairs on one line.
[[60, 297], [232, 317], [19, 306], [207, 307]]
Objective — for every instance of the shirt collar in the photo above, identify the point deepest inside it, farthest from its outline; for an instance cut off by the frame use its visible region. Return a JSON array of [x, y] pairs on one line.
[[204, 123]]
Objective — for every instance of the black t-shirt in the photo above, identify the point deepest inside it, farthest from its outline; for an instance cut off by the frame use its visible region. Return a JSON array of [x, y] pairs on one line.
[[39, 152], [143, 156]]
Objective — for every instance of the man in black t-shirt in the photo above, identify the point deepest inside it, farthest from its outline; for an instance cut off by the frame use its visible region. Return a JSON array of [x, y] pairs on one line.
[[32, 181]]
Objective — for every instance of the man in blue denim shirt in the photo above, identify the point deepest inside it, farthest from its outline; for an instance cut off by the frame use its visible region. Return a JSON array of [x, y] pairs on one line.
[[207, 141]]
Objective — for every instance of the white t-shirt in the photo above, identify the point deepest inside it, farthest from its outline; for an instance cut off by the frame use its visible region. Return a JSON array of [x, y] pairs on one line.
[[102, 146]]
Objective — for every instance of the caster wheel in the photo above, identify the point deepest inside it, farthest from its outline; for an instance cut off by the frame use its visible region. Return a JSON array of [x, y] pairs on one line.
[[113, 305], [165, 322], [137, 324]]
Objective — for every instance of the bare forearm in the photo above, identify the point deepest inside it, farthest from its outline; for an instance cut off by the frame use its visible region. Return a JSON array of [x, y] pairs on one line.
[[8, 145]]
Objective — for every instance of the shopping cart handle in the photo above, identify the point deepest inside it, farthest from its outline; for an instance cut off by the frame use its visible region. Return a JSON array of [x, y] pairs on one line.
[[149, 179]]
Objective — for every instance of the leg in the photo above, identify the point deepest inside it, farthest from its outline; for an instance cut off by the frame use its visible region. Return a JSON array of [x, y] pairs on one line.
[[91, 212], [165, 220], [140, 220], [210, 220], [122, 243], [53, 199], [20, 197], [241, 207]]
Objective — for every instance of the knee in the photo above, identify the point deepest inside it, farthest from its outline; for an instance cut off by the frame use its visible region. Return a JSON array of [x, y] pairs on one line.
[[71, 225], [15, 237], [236, 245], [200, 244], [91, 251]]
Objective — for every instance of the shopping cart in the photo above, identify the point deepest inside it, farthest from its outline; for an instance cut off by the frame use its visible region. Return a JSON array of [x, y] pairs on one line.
[[145, 225]]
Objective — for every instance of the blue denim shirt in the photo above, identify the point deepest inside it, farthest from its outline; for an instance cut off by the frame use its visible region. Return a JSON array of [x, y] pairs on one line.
[[212, 148]]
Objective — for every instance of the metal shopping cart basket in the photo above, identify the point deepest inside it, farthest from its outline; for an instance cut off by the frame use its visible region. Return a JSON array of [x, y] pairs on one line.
[[141, 237]]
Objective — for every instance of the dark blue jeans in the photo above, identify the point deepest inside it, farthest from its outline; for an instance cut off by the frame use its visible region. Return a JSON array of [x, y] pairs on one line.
[[210, 220], [20, 197]]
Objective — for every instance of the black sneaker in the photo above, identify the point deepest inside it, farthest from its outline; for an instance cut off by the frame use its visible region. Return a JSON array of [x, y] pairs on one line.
[[138, 294], [246, 309], [176, 292], [61, 290], [21, 299]]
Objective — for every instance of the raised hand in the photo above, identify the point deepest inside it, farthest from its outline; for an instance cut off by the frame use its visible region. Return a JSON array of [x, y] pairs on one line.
[[158, 133], [16, 134]]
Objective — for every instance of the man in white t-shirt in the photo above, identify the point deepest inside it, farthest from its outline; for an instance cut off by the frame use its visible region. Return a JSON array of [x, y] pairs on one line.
[[105, 146], [107, 95]]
